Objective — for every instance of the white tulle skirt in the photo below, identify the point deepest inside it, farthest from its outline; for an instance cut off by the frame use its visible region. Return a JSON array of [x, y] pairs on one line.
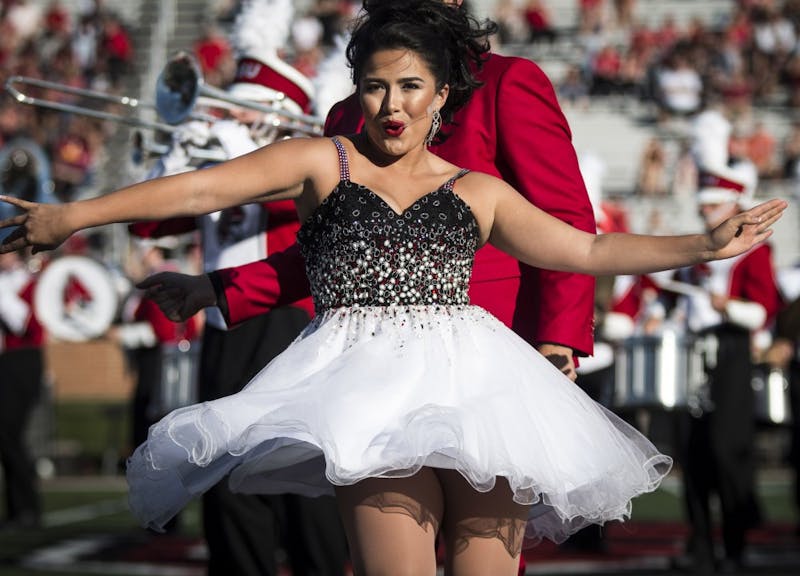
[[366, 392]]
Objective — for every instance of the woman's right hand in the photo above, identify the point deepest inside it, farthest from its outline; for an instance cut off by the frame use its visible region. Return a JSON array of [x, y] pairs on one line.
[[179, 296], [41, 226]]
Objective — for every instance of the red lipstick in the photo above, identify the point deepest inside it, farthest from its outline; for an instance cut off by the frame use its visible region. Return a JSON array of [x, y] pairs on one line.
[[394, 128]]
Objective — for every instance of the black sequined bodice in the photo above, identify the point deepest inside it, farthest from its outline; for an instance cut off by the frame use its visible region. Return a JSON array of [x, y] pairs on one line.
[[360, 252]]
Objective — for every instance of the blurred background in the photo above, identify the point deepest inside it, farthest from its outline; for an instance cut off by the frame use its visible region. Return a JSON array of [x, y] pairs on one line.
[[631, 77]]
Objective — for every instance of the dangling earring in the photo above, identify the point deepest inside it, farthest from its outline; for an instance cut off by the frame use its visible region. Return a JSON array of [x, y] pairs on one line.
[[435, 125]]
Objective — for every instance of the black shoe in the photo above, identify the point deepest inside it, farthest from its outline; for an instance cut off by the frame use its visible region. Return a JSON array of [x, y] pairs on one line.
[[689, 565], [22, 521], [730, 566]]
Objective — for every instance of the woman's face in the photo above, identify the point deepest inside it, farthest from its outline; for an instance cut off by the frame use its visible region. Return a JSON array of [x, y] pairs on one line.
[[398, 96]]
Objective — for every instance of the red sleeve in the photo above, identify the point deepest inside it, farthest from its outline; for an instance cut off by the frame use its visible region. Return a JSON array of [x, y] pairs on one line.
[[164, 329], [757, 282], [157, 229], [630, 302], [344, 118], [536, 156], [258, 287]]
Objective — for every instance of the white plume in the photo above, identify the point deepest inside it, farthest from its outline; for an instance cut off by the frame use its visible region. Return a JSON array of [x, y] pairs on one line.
[[262, 27], [333, 81]]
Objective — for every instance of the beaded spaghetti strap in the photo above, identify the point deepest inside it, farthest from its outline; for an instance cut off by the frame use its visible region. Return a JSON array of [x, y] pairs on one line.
[[344, 166], [450, 183]]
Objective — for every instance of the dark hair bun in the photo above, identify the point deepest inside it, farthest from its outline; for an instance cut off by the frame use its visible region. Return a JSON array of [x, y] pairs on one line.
[[451, 41]]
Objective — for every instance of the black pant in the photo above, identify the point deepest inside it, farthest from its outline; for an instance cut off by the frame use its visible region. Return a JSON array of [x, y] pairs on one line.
[[148, 362], [242, 530], [794, 457], [20, 388], [717, 451], [599, 386]]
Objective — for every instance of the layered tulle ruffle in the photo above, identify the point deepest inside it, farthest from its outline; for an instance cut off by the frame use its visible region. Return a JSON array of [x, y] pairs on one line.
[[369, 392]]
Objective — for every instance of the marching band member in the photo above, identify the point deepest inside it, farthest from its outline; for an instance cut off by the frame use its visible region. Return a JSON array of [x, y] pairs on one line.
[[784, 355], [21, 366], [146, 335], [738, 297], [241, 530]]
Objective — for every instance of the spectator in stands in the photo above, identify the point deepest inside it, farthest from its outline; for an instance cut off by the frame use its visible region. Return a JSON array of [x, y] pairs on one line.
[[25, 17], [605, 71], [540, 26], [679, 86], [624, 12], [684, 173], [117, 50], [668, 34], [511, 26], [57, 19], [761, 149], [573, 89], [73, 159], [590, 16], [306, 39], [215, 56], [84, 47], [737, 93], [652, 179], [774, 39]]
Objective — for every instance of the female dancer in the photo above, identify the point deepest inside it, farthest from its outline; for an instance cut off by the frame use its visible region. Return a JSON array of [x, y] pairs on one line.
[[420, 411]]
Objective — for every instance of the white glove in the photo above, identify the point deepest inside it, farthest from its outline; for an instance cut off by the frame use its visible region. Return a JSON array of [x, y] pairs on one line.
[[234, 137], [173, 162], [14, 311], [194, 133]]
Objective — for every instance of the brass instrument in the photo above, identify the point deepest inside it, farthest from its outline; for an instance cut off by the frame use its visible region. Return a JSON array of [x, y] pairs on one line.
[[126, 101], [180, 87]]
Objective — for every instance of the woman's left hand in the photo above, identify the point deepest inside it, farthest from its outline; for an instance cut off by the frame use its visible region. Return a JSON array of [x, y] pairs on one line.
[[741, 232]]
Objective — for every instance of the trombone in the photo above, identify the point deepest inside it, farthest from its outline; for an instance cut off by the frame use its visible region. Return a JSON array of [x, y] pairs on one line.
[[179, 88], [141, 143], [132, 103]]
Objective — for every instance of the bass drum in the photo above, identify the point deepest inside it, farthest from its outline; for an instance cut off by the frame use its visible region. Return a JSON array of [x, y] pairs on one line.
[[657, 372], [75, 299]]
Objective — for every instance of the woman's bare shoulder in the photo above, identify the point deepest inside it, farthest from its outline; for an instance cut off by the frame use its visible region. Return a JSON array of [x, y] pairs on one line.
[[483, 182]]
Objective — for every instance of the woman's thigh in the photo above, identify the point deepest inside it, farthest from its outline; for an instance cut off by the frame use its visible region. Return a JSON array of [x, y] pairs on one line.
[[391, 524], [483, 531]]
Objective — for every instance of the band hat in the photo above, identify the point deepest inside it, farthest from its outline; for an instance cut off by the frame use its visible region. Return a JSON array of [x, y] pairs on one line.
[[737, 184], [267, 78], [261, 32]]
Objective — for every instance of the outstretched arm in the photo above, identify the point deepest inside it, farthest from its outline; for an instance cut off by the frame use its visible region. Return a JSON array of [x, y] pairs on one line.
[[536, 238], [270, 173]]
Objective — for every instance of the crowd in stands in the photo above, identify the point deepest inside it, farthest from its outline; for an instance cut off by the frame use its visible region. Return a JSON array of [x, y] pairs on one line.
[[90, 49], [747, 59]]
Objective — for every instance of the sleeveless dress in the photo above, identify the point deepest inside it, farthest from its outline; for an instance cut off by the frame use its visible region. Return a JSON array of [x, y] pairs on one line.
[[398, 371]]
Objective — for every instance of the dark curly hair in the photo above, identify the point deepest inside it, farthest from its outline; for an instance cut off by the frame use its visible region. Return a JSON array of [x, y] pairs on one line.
[[450, 41]]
